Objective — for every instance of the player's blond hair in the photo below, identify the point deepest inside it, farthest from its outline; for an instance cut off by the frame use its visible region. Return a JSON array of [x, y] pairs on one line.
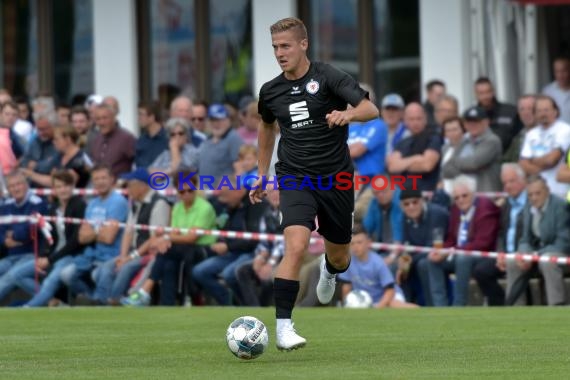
[[291, 23]]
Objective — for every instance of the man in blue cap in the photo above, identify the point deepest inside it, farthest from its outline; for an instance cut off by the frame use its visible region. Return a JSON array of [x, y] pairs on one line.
[[219, 152]]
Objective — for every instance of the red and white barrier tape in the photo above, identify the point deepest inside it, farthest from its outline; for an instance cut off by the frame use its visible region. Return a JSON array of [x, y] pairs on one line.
[[37, 219], [93, 192], [172, 192], [259, 236]]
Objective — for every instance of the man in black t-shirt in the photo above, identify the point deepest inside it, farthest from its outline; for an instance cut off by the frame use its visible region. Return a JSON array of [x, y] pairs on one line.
[[309, 101]]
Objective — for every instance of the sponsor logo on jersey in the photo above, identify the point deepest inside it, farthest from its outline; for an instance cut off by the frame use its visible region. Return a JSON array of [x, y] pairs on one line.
[[299, 111], [312, 87], [295, 90], [299, 114]]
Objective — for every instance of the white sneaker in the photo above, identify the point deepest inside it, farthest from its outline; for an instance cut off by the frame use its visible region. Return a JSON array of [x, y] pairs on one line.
[[288, 339], [327, 284]]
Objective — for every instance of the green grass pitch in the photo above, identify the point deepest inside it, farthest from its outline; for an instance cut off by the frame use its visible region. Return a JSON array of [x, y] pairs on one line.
[[189, 343]]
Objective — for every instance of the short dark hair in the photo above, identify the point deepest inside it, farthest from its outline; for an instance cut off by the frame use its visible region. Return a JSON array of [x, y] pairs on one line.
[[63, 176], [562, 57], [536, 178], [432, 83], [550, 99], [151, 108], [201, 102], [99, 167], [483, 80], [184, 174], [63, 105], [79, 109], [359, 229], [451, 120]]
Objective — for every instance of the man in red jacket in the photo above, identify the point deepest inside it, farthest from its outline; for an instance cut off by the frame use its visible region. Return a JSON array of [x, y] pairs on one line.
[[474, 222]]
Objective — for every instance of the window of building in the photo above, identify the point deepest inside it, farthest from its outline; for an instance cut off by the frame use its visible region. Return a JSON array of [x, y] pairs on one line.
[[73, 50], [19, 47], [230, 50], [333, 35], [396, 42], [172, 55]]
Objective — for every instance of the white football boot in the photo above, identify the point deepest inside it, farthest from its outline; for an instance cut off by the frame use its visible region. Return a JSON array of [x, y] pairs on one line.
[[327, 284], [287, 337]]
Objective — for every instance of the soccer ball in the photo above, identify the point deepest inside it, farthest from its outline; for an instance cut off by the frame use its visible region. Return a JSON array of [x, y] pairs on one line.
[[247, 337], [358, 299]]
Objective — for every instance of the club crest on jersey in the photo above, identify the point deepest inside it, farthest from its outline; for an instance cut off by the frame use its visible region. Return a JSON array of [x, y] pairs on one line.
[[312, 87]]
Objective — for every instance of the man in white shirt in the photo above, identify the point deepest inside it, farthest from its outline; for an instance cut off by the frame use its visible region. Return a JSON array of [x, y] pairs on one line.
[[545, 145], [559, 89]]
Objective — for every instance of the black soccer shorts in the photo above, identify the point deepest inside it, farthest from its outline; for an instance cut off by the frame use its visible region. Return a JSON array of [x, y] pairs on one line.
[[334, 210]]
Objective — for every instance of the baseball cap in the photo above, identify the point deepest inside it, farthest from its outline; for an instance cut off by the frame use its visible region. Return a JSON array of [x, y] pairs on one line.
[[407, 194], [393, 100], [475, 113], [93, 99], [217, 111], [244, 102], [139, 174]]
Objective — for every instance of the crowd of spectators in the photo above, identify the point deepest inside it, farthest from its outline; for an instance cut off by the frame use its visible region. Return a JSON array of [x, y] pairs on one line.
[[493, 177]]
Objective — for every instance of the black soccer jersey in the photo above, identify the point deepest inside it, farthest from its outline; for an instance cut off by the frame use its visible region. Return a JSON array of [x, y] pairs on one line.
[[308, 147]]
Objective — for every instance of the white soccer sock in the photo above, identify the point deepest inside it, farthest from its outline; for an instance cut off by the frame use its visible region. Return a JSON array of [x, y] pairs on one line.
[[283, 323], [144, 293], [326, 271]]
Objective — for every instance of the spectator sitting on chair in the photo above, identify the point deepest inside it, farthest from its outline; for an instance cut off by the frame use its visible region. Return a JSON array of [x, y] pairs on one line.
[[473, 225], [149, 208], [546, 232], [544, 145], [113, 146], [424, 223], [17, 237], [514, 184], [479, 153], [246, 165], [259, 271], [454, 133], [153, 139], [103, 240], [230, 252], [65, 243], [219, 152], [368, 272], [384, 219], [181, 154], [419, 154], [41, 151], [175, 248], [367, 142], [69, 157]]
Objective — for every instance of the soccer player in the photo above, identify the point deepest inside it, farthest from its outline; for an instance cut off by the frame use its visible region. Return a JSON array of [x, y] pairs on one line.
[[309, 101]]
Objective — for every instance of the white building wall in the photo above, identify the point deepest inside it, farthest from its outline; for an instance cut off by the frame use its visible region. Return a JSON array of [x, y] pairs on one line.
[[265, 13], [115, 56], [445, 47]]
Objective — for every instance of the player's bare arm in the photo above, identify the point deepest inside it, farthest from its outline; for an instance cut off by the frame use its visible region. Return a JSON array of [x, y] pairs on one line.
[[364, 111], [266, 143]]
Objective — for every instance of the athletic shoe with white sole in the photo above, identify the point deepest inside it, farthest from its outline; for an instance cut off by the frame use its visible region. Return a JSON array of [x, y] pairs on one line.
[[327, 284], [288, 339]]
